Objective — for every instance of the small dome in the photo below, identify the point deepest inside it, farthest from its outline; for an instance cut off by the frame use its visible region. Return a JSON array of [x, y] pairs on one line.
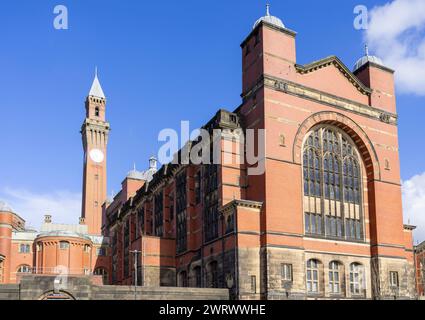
[[137, 175], [144, 175], [269, 19], [366, 59], [4, 207]]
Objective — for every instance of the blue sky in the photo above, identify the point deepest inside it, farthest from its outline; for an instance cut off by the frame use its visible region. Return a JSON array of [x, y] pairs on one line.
[[159, 63]]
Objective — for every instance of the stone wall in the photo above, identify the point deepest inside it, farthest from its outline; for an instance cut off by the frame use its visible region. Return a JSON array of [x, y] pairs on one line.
[[159, 293], [406, 273], [9, 292], [159, 276], [81, 288]]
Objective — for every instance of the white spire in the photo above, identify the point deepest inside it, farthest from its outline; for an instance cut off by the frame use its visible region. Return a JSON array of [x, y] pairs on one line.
[[366, 49], [268, 9], [96, 88]]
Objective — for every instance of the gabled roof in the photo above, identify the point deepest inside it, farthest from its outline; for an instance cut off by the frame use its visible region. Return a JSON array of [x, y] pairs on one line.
[[333, 60]]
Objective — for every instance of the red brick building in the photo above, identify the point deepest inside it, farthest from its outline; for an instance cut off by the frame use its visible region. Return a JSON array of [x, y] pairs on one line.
[[323, 221], [77, 250], [420, 269]]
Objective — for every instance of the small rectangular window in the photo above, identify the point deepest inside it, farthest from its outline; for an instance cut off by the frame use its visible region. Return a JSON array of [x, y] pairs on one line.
[[24, 248], [286, 272], [64, 245], [101, 252], [254, 284], [394, 279]]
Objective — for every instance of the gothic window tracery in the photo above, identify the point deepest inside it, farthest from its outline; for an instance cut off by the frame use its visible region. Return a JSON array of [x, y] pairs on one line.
[[332, 185], [211, 215]]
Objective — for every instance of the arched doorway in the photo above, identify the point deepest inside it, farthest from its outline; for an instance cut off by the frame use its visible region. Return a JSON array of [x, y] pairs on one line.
[[59, 296]]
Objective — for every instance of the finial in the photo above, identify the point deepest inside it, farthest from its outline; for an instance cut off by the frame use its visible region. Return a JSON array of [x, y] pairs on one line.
[[366, 49], [95, 71], [268, 9], [134, 167]]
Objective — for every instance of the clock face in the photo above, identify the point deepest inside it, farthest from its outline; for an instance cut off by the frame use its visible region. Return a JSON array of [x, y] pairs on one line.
[[97, 155]]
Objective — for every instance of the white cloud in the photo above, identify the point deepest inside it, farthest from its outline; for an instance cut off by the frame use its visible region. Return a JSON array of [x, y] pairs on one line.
[[396, 34], [64, 206], [414, 204]]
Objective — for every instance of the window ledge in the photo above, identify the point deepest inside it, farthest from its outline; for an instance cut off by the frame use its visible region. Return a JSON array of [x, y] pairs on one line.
[[314, 236]]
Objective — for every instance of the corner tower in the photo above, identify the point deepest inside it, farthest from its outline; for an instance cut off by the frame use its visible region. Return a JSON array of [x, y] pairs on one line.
[[95, 132]]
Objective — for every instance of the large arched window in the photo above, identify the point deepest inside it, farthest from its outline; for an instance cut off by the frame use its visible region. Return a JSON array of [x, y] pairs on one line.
[[332, 185]]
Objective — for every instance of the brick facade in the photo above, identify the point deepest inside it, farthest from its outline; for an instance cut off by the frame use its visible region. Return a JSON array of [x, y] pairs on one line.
[[323, 221]]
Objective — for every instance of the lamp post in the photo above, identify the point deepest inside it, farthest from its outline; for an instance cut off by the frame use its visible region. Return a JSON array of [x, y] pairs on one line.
[[135, 252]]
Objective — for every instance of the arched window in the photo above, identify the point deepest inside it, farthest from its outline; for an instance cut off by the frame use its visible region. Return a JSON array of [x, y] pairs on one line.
[[213, 275], [356, 279], [332, 185], [197, 277], [102, 272], [24, 269], [97, 112], [182, 280], [335, 277], [313, 276]]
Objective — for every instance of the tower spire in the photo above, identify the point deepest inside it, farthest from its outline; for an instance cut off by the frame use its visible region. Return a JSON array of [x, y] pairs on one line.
[[268, 9], [96, 88], [366, 49], [95, 143]]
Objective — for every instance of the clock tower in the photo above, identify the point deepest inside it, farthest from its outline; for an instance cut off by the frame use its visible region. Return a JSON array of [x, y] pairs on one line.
[[95, 132]]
